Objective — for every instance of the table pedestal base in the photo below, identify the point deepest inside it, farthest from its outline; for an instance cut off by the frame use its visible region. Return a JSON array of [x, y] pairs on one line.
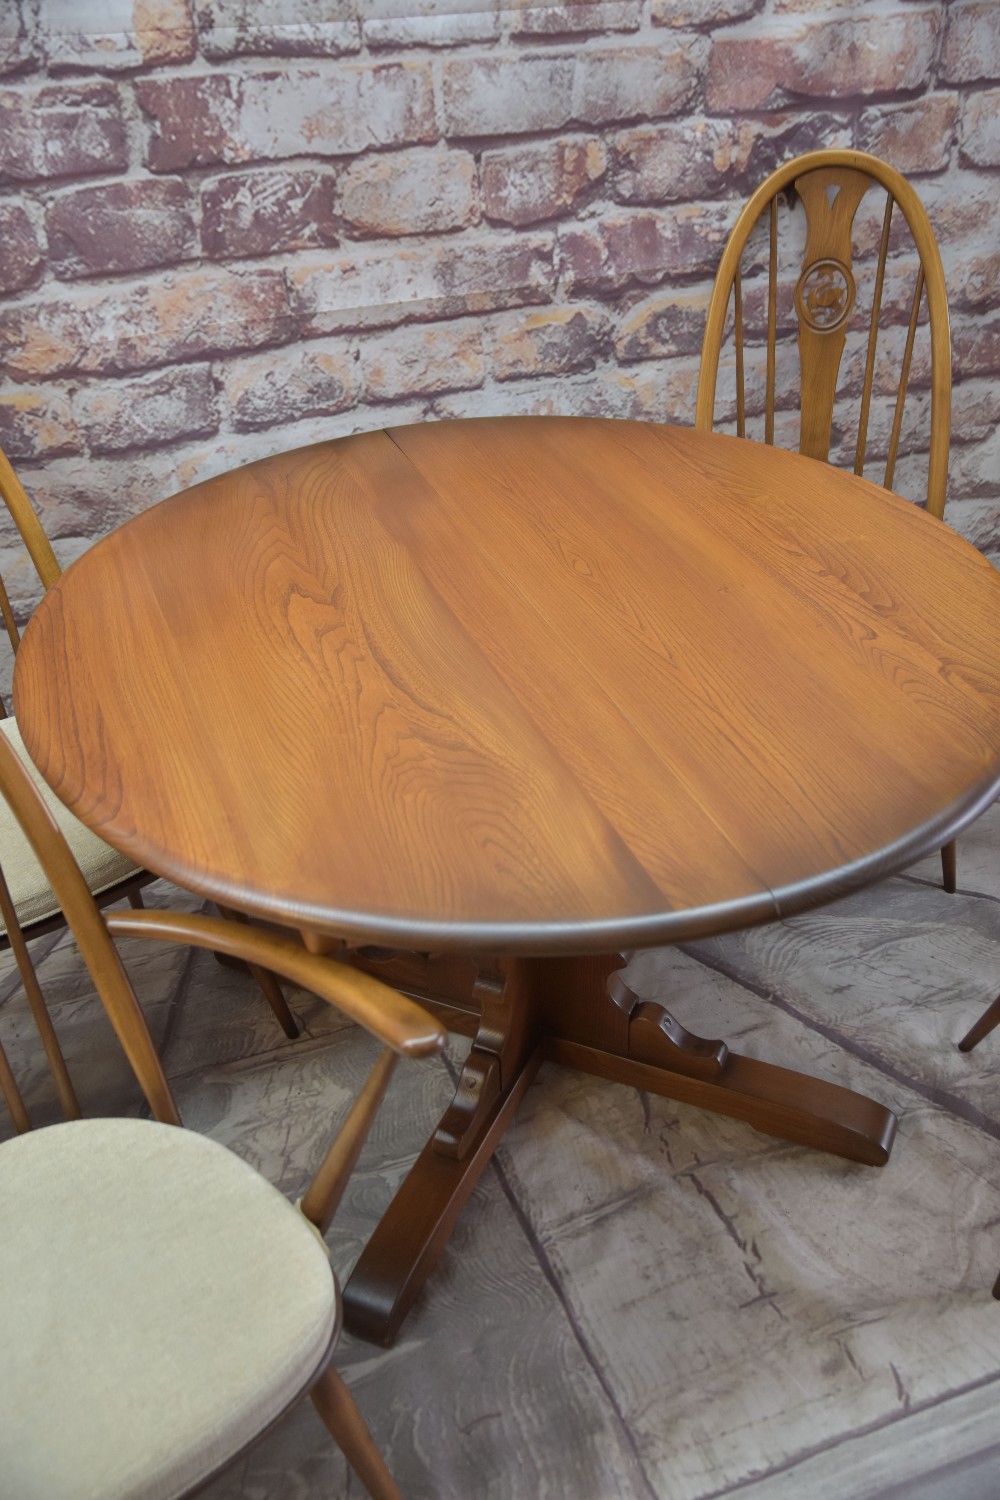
[[581, 1013]]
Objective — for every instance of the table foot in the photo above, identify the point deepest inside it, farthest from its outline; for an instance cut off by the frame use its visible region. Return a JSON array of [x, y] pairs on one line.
[[418, 1223], [776, 1101], [666, 1059]]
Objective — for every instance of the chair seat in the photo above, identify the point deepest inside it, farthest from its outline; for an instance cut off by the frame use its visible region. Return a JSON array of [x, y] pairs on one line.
[[102, 866], [160, 1304]]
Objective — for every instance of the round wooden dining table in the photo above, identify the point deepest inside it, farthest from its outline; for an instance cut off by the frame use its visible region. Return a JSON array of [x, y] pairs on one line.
[[485, 705]]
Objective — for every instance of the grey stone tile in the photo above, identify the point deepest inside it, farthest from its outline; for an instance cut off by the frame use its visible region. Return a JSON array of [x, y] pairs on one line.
[[978, 867], [455, 1404]]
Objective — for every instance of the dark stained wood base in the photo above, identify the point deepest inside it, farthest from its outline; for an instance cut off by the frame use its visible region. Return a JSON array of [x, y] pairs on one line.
[[578, 1012]]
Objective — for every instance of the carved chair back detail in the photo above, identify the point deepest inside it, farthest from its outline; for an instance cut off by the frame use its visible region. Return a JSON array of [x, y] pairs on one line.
[[831, 187]]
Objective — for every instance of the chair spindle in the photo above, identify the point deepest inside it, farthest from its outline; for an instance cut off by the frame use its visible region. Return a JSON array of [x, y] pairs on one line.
[[12, 1096], [772, 322], [866, 395], [43, 1021], [741, 413], [904, 376], [323, 1195]]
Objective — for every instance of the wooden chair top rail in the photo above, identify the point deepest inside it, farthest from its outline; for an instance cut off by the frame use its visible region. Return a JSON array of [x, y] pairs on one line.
[[39, 549]]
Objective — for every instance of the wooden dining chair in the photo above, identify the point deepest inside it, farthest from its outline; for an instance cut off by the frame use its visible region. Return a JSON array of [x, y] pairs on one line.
[[28, 906], [161, 1304], [831, 187]]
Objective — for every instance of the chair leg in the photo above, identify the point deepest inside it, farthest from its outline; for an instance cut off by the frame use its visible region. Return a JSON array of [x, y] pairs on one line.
[[339, 1411], [988, 1021], [949, 867], [274, 995], [267, 982], [12, 1095], [996, 1289], [135, 900]]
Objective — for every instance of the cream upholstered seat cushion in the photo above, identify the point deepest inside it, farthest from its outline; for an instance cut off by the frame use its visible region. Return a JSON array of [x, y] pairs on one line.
[[32, 895], [160, 1304]]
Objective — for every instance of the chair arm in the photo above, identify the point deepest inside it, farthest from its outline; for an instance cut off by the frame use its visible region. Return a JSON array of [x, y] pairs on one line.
[[396, 1020]]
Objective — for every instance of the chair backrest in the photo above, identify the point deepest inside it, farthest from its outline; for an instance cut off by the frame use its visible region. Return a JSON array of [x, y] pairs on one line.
[[15, 498], [402, 1026], [831, 186]]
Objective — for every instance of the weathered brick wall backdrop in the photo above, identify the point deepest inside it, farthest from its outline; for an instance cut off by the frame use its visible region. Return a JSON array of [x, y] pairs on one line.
[[229, 227]]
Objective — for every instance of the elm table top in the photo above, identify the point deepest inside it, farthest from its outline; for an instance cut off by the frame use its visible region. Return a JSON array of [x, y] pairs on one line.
[[521, 685]]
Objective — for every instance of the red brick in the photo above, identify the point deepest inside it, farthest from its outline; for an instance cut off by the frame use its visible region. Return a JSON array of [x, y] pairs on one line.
[[198, 121], [37, 424], [549, 342], [514, 93], [421, 191], [288, 384], [975, 411], [975, 346], [643, 247], [831, 58], [423, 361], [971, 48], [182, 315], [521, 398], [307, 28], [663, 163], [18, 42], [525, 184], [121, 226], [60, 131], [432, 23], [149, 410], [498, 94], [264, 212], [979, 522], [119, 34], [659, 163], [549, 18], [706, 13], [20, 252], [962, 206], [669, 323], [975, 283], [195, 120], [914, 137], [629, 395], [981, 129], [627, 84], [473, 274], [972, 473]]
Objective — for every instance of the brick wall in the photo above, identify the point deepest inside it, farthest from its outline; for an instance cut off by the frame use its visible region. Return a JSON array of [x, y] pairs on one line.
[[233, 226]]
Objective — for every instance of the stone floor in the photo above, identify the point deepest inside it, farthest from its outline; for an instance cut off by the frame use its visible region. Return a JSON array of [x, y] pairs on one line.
[[641, 1299]]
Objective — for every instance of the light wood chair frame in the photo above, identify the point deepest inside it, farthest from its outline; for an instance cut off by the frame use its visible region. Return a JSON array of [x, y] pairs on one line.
[[400, 1024], [39, 549], [829, 232]]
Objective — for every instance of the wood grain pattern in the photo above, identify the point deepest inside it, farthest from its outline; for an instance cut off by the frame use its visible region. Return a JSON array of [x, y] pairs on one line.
[[521, 685]]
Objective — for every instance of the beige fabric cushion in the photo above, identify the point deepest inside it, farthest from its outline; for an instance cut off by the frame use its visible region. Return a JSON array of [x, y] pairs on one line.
[[160, 1304], [102, 866]]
